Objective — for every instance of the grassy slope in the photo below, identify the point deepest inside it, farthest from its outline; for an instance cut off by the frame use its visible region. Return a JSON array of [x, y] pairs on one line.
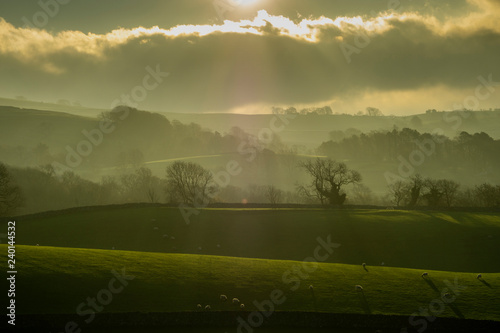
[[61, 278], [451, 241]]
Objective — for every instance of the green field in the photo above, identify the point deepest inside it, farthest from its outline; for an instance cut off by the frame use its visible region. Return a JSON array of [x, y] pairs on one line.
[[449, 241], [59, 279], [250, 254]]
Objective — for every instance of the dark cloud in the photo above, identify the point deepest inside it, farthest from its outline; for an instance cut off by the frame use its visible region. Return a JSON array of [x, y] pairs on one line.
[[275, 64]]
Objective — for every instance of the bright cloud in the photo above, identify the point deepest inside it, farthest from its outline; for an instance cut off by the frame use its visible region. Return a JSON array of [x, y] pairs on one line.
[[263, 61]]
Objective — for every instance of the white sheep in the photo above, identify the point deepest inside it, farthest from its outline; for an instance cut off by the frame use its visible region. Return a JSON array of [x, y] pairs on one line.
[[223, 298], [172, 238], [156, 228], [311, 287], [199, 306], [165, 235], [359, 288], [242, 306], [424, 274], [479, 276], [37, 244], [236, 301], [207, 307]]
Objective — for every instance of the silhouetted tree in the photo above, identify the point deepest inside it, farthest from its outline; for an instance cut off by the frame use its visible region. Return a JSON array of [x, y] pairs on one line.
[[373, 112], [79, 191], [399, 192], [142, 186], [488, 195], [189, 183], [450, 191], [416, 184], [434, 192], [362, 195], [328, 178], [273, 194], [11, 196]]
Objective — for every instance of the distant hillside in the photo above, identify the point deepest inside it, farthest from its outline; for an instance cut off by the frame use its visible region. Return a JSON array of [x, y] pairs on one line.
[[309, 130], [30, 127], [73, 109]]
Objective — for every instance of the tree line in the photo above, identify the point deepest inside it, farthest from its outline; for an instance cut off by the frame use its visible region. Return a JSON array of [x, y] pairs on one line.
[[331, 183], [466, 152]]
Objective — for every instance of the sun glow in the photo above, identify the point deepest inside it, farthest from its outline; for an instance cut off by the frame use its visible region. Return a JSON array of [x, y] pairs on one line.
[[244, 2]]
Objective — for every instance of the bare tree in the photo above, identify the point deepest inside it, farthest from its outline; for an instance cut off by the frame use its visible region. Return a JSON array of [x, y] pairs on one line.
[[328, 178], [189, 183], [141, 185], [373, 112], [450, 191], [11, 196], [273, 194], [434, 192], [416, 183], [399, 192], [362, 195], [79, 191], [488, 195]]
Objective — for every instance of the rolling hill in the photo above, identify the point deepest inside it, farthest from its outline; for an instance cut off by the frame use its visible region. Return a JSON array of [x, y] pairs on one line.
[[451, 241], [156, 282]]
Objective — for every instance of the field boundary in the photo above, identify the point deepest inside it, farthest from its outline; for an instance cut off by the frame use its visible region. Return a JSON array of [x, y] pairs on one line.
[[65, 211]]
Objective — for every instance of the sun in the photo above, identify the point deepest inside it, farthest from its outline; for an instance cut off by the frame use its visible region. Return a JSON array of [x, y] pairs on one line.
[[245, 2]]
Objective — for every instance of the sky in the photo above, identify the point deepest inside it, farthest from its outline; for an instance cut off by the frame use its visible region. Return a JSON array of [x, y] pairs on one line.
[[245, 56]]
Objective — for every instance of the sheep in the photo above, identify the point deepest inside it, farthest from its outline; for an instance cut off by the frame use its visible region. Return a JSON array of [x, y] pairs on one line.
[[199, 307], [311, 287], [359, 288], [37, 244], [479, 276], [425, 274], [172, 238], [156, 228], [223, 298], [113, 248], [218, 246], [165, 235], [242, 306], [207, 307], [236, 301]]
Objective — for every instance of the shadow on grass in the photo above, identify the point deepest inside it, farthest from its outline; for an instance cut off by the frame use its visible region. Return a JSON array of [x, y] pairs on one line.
[[455, 309], [366, 269], [314, 300], [431, 284], [364, 302], [486, 283]]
